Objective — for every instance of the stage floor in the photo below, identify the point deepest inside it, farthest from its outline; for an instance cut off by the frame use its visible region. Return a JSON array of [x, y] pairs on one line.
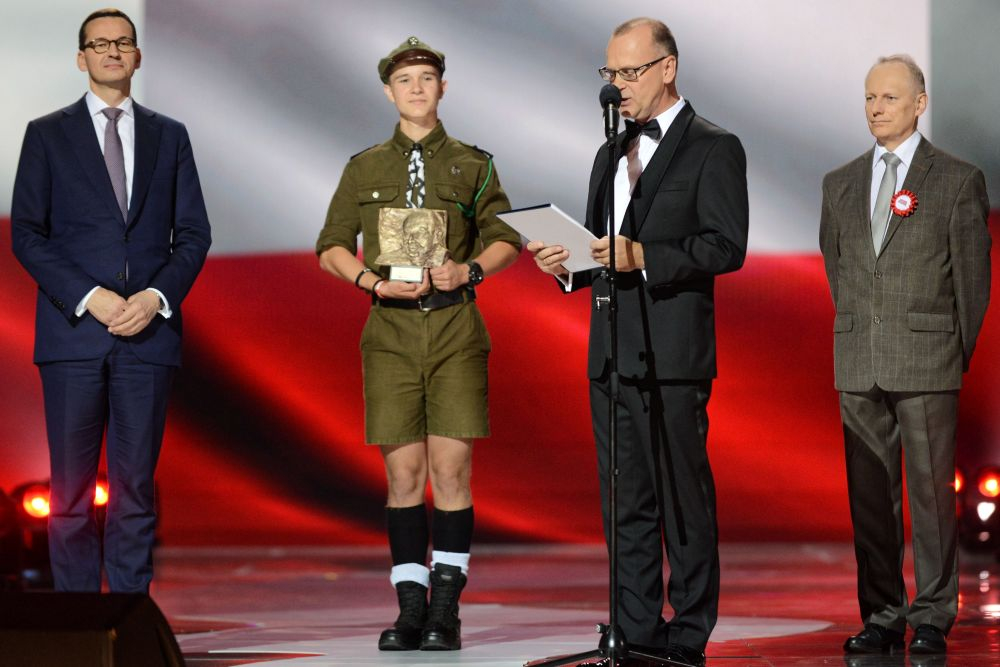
[[782, 605]]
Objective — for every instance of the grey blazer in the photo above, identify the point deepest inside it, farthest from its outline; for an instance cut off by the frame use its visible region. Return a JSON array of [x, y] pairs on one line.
[[908, 319]]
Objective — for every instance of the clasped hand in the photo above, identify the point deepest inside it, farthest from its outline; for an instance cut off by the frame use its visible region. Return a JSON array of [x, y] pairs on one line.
[[123, 317]]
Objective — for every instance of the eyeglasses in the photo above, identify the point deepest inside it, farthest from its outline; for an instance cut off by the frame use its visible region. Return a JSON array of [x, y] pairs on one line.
[[123, 44], [627, 73]]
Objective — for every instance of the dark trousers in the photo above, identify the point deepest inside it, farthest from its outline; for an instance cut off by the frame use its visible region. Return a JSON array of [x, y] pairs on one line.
[[665, 494], [879, 427], [129, 398]]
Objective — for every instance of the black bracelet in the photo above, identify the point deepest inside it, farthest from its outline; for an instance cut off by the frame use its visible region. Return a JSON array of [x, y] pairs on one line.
[[374, 289], [357, 281]]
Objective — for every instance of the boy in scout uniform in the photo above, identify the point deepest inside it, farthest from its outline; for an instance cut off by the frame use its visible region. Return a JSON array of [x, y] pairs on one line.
[[424, 347]]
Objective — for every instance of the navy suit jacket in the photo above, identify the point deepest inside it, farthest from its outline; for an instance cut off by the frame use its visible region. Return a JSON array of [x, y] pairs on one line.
[[690, 212], [69, 234]]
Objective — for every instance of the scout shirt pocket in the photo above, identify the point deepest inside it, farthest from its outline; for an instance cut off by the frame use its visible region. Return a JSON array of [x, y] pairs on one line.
[[370, 198], [455, 197]]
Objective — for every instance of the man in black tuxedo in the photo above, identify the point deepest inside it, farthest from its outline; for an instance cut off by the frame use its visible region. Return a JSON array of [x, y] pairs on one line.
[[681, 218]]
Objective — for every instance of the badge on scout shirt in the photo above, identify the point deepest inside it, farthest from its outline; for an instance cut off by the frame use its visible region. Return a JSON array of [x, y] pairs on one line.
[[411, 239]]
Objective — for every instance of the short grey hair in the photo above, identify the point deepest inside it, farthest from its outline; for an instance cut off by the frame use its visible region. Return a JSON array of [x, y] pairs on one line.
[[916, 74], [662, 36]]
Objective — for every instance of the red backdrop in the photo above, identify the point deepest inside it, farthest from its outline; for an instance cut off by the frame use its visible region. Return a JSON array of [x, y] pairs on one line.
[[264, 441]]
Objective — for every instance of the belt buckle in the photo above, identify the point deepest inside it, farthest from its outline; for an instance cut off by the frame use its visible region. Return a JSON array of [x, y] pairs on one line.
[[421, 306]]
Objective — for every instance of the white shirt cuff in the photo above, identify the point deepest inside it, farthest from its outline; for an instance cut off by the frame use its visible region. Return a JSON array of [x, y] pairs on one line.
[[165, 311], [81, 308]]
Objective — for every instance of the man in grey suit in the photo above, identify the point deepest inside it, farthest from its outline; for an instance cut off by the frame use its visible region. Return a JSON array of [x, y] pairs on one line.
[[907, 253]]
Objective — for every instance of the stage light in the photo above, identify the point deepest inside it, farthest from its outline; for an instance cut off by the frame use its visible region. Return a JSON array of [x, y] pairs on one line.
[[985, 510], [959, 480], [101, 493], [35, 501], [989, 483]]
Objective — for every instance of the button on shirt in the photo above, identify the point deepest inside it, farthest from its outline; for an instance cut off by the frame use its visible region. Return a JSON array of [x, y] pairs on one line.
[[904, 152]]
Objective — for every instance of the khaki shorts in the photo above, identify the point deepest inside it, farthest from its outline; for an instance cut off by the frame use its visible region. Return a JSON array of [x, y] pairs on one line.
[[425, 373]]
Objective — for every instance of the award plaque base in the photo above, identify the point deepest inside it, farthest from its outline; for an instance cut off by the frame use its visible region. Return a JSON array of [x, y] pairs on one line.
[[407, 274]]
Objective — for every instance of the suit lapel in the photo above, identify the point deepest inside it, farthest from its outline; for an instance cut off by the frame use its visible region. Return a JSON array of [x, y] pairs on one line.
[[598, 187], [652, 174], [859, 197], [147, 144], [79, 129], [923, 159]]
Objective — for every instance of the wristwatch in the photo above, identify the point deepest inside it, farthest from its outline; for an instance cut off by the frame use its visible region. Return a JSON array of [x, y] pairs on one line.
[[475, 274]]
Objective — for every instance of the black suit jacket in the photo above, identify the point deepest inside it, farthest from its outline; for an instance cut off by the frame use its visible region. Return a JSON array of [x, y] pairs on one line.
[[69, 234], [689, 211]]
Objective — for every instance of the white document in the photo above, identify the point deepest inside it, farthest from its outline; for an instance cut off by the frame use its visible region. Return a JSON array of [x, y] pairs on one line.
[[547, 223]]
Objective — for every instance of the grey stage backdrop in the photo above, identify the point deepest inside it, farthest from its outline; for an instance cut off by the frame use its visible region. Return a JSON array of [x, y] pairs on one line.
[[278, 95]]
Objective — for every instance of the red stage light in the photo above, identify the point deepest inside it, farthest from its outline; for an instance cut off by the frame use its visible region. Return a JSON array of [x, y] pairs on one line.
[[989, 483], [35, 501], [101, 493], [959, 480]]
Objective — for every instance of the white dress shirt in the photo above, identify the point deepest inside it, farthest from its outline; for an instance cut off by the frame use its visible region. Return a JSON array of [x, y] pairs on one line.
[[904, 152], [635, 156], [126, 131]]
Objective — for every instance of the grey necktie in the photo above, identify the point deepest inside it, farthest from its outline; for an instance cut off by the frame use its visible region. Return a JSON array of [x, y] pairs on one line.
[[886, 189], [415, 189], [114, 158]]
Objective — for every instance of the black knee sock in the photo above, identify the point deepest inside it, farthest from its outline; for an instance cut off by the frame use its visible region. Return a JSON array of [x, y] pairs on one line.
[[408, 534], [453, 530]]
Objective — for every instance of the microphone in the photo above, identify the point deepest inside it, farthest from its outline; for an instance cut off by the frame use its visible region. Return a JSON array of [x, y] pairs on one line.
[[611, 99]]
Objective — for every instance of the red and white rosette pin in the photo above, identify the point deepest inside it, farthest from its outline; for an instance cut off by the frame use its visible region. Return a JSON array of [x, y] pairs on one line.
[[904, 203]]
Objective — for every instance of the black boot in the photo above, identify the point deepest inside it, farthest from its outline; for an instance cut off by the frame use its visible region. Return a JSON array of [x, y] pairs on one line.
[[443, 631], [405, 633]]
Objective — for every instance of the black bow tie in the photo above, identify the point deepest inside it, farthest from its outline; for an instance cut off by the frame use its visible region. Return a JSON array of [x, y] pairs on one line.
[[650, 129]]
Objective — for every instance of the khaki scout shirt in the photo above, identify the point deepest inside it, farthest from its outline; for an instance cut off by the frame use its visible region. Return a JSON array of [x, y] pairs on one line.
[[453, 173]]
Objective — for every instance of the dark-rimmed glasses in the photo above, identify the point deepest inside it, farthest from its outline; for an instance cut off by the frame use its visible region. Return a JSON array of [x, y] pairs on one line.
[[627, 73], [123, 44]]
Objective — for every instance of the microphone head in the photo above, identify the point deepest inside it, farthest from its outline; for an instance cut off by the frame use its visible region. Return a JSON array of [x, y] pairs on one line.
[[610, 95]]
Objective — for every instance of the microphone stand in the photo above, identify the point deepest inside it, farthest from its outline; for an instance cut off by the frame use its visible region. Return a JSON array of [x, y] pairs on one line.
[[612, 649]]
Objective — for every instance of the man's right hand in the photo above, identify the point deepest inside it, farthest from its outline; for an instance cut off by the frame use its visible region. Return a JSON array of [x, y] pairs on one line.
[[397, 289], [105, 305], [549, 258]]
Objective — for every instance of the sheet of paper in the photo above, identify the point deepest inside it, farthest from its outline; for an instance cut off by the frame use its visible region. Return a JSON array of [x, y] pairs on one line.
[[549, 224]]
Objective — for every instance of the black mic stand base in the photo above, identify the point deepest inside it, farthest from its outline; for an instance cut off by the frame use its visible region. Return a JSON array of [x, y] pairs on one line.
[[612, 651]]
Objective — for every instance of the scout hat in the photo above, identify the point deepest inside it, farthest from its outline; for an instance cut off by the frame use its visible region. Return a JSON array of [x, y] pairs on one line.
[[410, 52]]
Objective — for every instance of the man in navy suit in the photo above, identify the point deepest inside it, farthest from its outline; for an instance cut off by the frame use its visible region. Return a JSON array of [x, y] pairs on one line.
[[109, 220], [681, 218]]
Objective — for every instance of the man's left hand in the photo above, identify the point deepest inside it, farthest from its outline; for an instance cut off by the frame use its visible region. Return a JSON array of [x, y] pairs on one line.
[[140, 310], [628, 253], [449, 276]]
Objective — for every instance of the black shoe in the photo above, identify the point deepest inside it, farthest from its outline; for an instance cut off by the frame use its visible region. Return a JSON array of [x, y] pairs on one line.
[[405, 633], [443, 631], [874, 638], [685, 655], [928, 640]]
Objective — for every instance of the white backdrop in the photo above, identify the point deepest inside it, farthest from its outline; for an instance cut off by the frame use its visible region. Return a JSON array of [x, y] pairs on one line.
[[278, 95]]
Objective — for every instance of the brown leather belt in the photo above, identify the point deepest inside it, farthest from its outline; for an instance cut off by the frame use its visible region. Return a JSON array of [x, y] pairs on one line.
[[431, 301]]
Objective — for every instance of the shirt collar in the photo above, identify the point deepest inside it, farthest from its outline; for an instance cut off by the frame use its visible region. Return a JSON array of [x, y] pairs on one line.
[[432, 143], [667, 118], [904, 151], [95, 105]]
